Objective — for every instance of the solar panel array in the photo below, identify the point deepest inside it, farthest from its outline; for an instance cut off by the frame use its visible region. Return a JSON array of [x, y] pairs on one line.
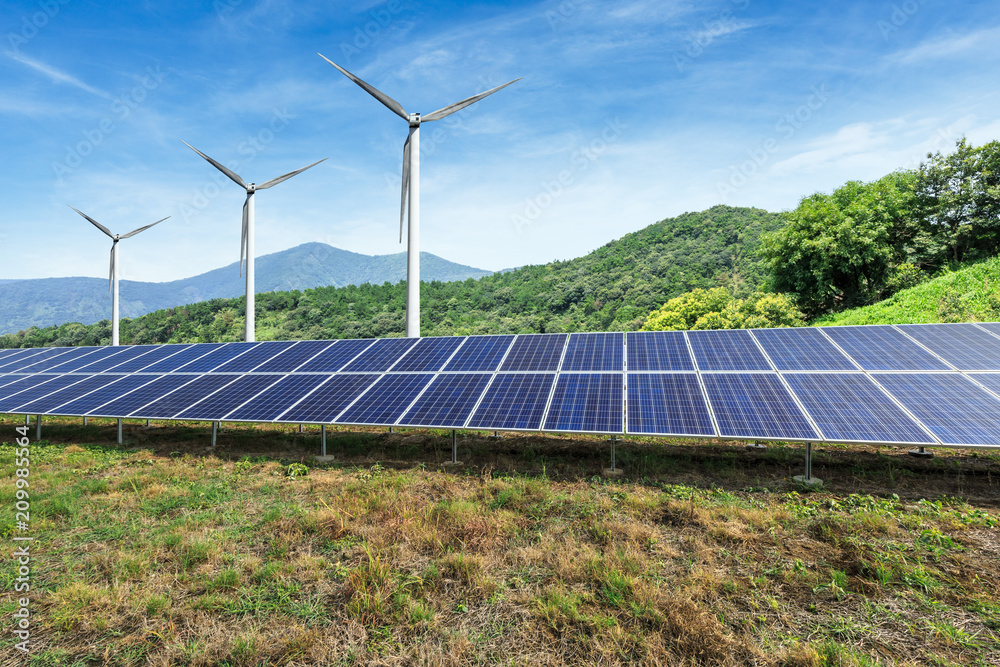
[[924, 385]]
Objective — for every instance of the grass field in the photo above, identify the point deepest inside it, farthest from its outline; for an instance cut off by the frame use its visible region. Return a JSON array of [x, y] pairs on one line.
[[162, 553]]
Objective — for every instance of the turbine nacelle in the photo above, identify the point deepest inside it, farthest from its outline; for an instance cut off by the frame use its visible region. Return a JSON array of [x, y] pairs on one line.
[[414, 120]]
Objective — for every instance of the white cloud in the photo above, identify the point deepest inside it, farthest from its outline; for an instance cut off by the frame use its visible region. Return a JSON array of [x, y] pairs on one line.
[[952, 45], [55, 74]]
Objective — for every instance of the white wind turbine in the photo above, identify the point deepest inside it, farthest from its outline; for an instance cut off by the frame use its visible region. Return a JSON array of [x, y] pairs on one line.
[[113, 274], [246, 241], [411, 185]]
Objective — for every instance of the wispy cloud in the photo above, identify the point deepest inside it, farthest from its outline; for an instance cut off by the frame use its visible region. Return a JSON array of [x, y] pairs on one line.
[[56, 75], [945, 47]]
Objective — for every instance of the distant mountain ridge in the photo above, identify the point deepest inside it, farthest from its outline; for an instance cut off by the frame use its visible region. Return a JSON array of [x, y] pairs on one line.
[[42, 302]]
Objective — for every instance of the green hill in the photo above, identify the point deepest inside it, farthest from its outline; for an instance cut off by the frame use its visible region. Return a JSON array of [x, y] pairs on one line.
[[971, 294], [613, 288]]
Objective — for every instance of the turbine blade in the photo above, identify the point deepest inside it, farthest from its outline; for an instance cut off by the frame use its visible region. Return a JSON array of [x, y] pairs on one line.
[[225, 170], [406, 185], [243, 237], [279, 179], [390, 103], [141, 229], [458, 106], [95, 223]]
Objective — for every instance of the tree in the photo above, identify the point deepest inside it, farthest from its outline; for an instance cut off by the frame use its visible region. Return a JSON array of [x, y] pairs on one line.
[[718, 309]]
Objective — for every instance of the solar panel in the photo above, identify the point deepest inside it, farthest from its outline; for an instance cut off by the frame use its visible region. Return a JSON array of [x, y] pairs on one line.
[[883, 348], [86, 384], [448, 401], [70, 365], [36, 390], [10, 361], [727, 350], [269, 405], [992, 327], [849, 407], [227, 399], [386, 401], [667, 404], [380, 356], [594, 352], [77, 354], [26, 360], [324, 404], [964, 346], [658, 351], [290, 359], [951, 406], [535, 352], [8, 352], [209, 362], [514, 402], [335, 357], [153, 354], [587, 402], [6, 379], [480, 353], [430, 354], [110, 361], [990, 380], [755, 406], [121, 405], [169, 404], [255, 357], [185, 356], [802, 349], [21, 383], [121, 385]]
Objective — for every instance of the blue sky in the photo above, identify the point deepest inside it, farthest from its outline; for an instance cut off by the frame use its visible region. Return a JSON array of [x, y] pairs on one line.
[[628, 113]]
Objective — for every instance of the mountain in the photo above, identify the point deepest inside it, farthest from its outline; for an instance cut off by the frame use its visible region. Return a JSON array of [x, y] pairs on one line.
[[612, 288], [47, 301]]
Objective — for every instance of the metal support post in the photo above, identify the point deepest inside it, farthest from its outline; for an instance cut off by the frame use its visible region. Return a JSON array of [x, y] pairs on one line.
[[38, 427], [215, 432], [454, 446], [614, 469], [119, 430], [147, 423], [27, 420], [84, 421], [322, 431], [808, 479], [300, 428], [921, 452]]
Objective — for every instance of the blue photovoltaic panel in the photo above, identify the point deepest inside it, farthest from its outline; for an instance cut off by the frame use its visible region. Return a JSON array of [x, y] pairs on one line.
[[480, 353], [514, 402], [667, 404], [882, 348], [214, 359], [993, 327], [154, 353], [121, 385], [849, 407], [802, 349], [380, 356], [224, 401], [79, 363], [34, 388], [755, 406], [728, 350], [11, 361], [658, 351], [954, 409], [7, 379], [21, 383], [448, 402], [269, 405], [990, 380], [430, 354], [185, 356], [168, 405], [387, 400], [105, 362], [334, 358], [964, 346], [290, 359], [324, 404], [8, 352], [86, 384], [588, 402], [255, 357], [120, 405], [77, 354], [26, 360], [535, 352], [595, 352]]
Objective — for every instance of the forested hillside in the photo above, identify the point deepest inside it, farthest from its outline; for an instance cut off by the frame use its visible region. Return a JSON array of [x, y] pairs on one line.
[[613, 288]]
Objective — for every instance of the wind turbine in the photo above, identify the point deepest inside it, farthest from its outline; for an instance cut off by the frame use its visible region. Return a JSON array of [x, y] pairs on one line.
[[246, 242], [411, 185], [113, 274]]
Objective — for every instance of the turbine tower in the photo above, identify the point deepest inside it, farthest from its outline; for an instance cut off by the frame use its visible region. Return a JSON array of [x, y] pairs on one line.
[[411, 185], [246, 241], [113, 274]]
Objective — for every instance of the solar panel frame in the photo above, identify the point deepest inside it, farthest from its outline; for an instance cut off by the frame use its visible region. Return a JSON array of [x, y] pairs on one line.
[[534, 390], [757, 394], [727, 350], [429, 355], [448, 401], [658, 351], [480, 354], [535, 353], [594, 352], [850, 408], [602, 406], [802, 349], [964, 346], [324, 403], [871, 347], [386, 400], [991, 381], [992, 327], [655, 398]]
